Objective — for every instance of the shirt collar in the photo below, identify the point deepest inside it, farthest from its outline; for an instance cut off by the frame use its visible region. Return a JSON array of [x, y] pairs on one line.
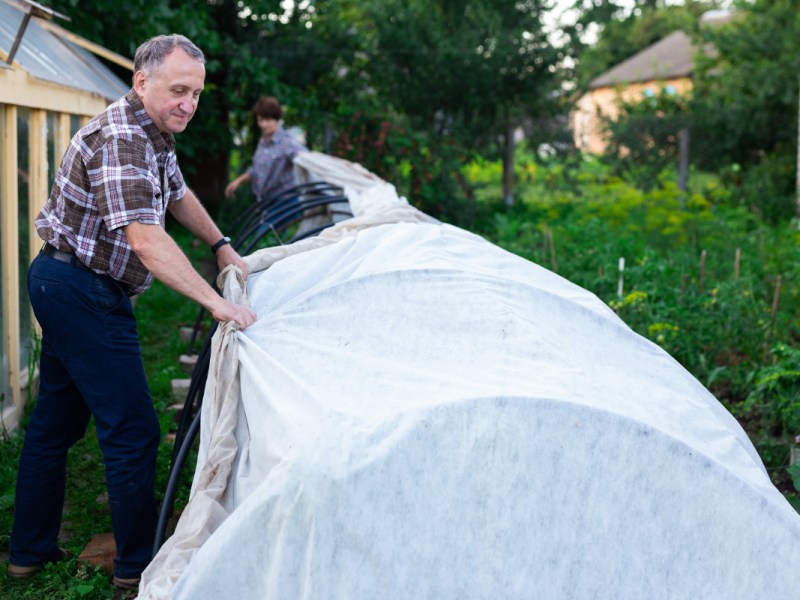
[[161, 141]]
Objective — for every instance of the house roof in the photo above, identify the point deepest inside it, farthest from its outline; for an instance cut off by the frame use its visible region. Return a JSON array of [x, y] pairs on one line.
[[669, 58], [48, 52]]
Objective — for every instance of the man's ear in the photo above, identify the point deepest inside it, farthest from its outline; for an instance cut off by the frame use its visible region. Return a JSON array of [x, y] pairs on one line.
[[139, 82]]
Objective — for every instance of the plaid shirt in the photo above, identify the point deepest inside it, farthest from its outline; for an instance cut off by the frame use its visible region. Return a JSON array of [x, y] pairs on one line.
[[272, 170], [119, 168]]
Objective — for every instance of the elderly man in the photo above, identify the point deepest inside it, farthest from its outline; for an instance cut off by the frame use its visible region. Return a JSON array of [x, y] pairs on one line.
[[103, 228]]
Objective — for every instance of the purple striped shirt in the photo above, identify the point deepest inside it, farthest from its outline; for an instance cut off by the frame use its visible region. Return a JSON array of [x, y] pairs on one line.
[[119, 168], [272, 170]]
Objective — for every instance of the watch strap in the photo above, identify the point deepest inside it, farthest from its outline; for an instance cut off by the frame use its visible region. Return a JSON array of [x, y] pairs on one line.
[[224, 240]]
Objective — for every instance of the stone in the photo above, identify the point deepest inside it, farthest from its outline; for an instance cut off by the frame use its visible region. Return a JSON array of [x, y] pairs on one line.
[[187, 362], [100, 552]]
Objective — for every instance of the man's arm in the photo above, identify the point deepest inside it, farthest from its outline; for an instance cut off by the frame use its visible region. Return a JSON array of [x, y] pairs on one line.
[[231, 187], [191, 214], [167, 262]]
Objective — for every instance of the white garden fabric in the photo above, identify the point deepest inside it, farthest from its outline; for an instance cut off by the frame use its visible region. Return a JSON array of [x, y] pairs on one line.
[[420, 414]]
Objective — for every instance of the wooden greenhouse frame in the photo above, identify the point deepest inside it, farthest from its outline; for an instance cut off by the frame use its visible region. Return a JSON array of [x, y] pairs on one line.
[[51, 83]]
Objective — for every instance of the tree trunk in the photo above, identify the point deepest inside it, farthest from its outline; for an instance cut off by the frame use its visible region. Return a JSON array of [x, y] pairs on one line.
[[208, 179], [683, 164]]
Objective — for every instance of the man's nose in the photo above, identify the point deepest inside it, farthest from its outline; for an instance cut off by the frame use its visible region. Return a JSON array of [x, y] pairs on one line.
[[188, 104]]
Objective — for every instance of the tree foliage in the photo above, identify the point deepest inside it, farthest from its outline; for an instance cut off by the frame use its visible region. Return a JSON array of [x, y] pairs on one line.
[[745, 103], [746, 94], [645, 139], [215, 26], [622, 33]]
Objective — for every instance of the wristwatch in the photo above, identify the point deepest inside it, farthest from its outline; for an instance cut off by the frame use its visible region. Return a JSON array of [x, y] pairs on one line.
[[220, 244]]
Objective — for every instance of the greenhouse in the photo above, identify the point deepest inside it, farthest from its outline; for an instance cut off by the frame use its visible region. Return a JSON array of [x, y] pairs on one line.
[[51, 83]]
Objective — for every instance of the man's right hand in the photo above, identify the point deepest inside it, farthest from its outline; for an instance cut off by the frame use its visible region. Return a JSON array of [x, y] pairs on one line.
[[226, 310]]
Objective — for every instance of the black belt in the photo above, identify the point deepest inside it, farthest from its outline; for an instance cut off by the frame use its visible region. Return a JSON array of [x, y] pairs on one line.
[[67, 257]]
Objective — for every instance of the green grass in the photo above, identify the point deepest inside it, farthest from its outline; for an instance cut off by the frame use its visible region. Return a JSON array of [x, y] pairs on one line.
[[160, 312]]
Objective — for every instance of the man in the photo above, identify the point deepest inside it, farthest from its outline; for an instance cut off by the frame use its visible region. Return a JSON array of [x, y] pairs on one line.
[[104, 235], [272, 170]]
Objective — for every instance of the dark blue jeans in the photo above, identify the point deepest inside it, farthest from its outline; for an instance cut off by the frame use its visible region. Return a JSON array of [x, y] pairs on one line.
[[91, 364]]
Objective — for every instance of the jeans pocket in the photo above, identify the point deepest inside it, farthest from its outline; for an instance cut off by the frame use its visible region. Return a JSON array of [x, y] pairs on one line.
[[107, 293]]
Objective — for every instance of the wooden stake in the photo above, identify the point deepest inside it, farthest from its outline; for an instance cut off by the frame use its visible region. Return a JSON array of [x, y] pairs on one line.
[[702, 270], [621, 276], [776, 296], [545, 236], [553, 260], [736, 261]]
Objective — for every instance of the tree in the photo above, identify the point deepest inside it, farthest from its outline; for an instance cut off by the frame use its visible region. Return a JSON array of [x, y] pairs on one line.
[[645, 138], [745, 102], [218, 28], [464, 70]]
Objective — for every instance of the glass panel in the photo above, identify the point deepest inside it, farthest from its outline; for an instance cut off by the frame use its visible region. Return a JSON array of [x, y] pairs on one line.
[[74, 124], [23, 152]]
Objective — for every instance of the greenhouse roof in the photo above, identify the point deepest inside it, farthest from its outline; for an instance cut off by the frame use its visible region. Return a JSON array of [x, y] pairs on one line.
[[48, 52]]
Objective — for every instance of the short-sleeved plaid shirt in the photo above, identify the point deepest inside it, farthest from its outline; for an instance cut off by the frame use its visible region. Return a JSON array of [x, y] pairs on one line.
[[119, 168]]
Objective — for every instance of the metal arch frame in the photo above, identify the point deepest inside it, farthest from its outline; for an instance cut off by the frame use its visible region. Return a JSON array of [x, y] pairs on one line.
[[274, 214]]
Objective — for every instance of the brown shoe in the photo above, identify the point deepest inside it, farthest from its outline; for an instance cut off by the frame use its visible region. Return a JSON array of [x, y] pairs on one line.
[[20, 572], [126, 584]]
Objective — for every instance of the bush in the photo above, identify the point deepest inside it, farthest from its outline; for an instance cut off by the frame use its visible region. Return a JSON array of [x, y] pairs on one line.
[[701, 279]]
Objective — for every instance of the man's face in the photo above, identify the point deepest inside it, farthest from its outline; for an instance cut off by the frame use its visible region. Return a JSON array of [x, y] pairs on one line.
[[170, 95]]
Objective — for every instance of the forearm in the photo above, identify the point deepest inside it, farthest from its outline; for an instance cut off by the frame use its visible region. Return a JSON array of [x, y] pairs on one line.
[[167, 262], [243, 178], [231, 187], [191, 214]]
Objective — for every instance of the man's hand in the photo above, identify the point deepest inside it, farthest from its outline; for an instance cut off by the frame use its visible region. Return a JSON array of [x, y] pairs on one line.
[[228, 311], [226, 255], [162, 256]]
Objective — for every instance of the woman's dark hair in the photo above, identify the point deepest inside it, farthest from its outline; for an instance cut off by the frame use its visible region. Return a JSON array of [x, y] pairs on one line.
[[268, 107]]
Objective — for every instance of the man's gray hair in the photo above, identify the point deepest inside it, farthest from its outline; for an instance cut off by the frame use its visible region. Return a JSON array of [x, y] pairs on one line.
[[151, 54]]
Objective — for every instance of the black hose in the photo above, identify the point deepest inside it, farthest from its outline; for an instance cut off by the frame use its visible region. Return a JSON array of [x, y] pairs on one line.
[[167, 506]]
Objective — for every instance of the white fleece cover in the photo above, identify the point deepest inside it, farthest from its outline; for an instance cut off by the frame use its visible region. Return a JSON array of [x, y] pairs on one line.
[[419, 414]]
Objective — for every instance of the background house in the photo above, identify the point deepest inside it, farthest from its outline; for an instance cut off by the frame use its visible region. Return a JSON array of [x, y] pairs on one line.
[[51, 83], [665, 65]]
